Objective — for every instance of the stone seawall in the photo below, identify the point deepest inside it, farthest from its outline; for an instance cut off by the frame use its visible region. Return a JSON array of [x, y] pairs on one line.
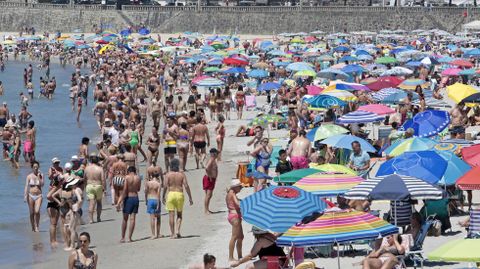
[[240, 20]]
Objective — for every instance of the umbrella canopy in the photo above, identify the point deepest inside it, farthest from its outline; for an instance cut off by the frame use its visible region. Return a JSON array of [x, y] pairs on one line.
[[144, 31], [385, 82], [313, 90], [471, 155], [336, 85], [295, 175], [394, 188], [428, 123], [458, 91], [470, 180], [325, 101], [462, 63], [258, 73], [456, 168], [328, 184], [337, 226], [461, 250], [305, 73], [377, 109], [392, 96], [386, 60], [341, 94], [411, 84], [331, 73], [474, 98], [208, 82], [325, 131], [345, 142], [299, 66], [238, 61], [397, 71], [359, 117], [334, 168], [451, 72], [409, 144], [264, 120], [277, 209], [427, 165], [269, 86]]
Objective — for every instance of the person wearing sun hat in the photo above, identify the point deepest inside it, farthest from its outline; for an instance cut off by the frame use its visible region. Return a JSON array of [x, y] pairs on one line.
[[234, 218]]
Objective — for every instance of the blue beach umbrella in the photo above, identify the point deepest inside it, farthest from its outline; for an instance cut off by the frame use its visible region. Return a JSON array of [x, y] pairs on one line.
[[341, 49], [456, 168], [392, 96], [277, 209], [125, 32], [345, 142], [269, 86], [347, 58], [428, 123], [353, 68], [258, 73], [325, 101], [235, 70], [359, 117], [299, 66], [144, 31], [364, 57], [331, 73], [472, 53], [468, 72], [427, 165]]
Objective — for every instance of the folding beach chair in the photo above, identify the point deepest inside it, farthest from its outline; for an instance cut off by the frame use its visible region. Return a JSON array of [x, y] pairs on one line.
[[415, 254], [474, 226]]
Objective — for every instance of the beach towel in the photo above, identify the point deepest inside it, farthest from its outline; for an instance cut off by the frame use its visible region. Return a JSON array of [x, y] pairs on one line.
[[250, 101]]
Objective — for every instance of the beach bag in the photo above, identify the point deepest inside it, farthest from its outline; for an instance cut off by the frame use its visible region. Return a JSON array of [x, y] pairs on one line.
[[435, 229]]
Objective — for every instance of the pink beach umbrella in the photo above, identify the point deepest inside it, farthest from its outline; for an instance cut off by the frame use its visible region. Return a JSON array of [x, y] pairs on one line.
[[378, 109], [313, 90], [451, 72]]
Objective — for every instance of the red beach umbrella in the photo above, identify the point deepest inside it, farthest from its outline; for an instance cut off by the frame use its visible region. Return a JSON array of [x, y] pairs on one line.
[[471, 180], [471, 155]]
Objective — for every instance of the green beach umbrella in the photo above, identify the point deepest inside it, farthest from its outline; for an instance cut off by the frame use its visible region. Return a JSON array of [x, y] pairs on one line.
[[327, 130], [295, 175], [211, 69], [386, 60], [462, 250], [305, 73]]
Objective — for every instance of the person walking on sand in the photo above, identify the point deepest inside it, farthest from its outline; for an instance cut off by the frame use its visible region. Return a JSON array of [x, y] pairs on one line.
[[130, 202], [96, 186], [211, 173], [153, 188], [33, 195], [173, 198], [235, 219], [201, 139], [220, 129], [299, 151], [83, 257]]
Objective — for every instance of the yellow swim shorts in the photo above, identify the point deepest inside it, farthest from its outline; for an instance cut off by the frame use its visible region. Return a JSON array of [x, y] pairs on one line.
[[175, 201], [94, 192]]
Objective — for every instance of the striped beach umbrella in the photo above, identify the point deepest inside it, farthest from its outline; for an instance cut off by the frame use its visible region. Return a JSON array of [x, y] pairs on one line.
[[336, 85], [295, 175], [428, 123], [277, 209], [337, 226], [328, 184], [335, 168], [206, 81], [325, 101], [359, 117], [394, 187], [391, 96]]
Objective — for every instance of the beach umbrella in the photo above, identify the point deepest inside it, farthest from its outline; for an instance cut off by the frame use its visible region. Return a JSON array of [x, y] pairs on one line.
[[378, 109], [471, 155], [144, 31], [456, 168], [305, 73], [428, 123], [337, 226], [257, 73], [325, 58], [364, 57], [277, 209], [341, 49], [359, 117], [386, 60], [331, 73], [334, 168], [394, 188], [427, 165], [474, 98], [458, 91], [269, 86], [429, 60], [460, 250], [445, 59], [392, 96], [451, 72], [353, 68], [347, 58], [258, 175], [234, 70], [260, 65], [461, 62], [470, 180], [468, 72], [472, 53], [125, 32], [343, 95], [264, 120], [299, 66], [325, 131], [211, 69], [410, 144], [326, 184], [384, 82], [325, 101], [446, 147], [313, 90], [295, 175], [411, 84], [340, 85], [238, 61], [414, 64], [208, 82], [397, 71], [345, 142]]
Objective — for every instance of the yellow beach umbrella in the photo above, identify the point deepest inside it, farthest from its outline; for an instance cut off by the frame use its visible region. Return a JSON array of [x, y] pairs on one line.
[[335, 168], [341, 94], [458, 91], [305, 73]]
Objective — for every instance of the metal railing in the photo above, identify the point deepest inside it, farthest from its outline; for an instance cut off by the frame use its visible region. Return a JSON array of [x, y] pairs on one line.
[[55, 6]]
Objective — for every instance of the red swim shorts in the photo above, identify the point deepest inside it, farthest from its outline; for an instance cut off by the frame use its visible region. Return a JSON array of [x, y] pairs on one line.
[[208, 183]]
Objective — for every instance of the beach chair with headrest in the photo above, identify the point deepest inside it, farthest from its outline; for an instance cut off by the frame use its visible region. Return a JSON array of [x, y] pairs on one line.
[[474, 226], [415, 253]]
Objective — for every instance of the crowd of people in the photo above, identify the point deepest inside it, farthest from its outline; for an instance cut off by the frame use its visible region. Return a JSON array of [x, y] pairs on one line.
[[133, 94]]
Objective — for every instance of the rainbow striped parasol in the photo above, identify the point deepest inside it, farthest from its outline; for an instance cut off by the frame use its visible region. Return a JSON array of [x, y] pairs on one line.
[[337, 226], [328, 184]]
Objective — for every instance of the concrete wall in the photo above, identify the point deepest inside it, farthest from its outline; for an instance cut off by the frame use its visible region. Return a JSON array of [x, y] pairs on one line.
[[247, 20]]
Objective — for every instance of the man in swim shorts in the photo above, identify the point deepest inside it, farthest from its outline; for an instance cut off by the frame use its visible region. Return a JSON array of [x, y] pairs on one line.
[[210, 178], [3, 115], [201, 139], [299, 151], [130, 202], [173, 198], [153, 189], [96, 186]]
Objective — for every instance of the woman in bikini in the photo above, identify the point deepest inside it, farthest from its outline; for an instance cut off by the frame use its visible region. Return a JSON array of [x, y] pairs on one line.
[[54, 174], [220, 129], [153, 142], [83, 258], [235, 219], [183, 145], [240, 100], [228, 102], [220, 99], [33, 194]]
